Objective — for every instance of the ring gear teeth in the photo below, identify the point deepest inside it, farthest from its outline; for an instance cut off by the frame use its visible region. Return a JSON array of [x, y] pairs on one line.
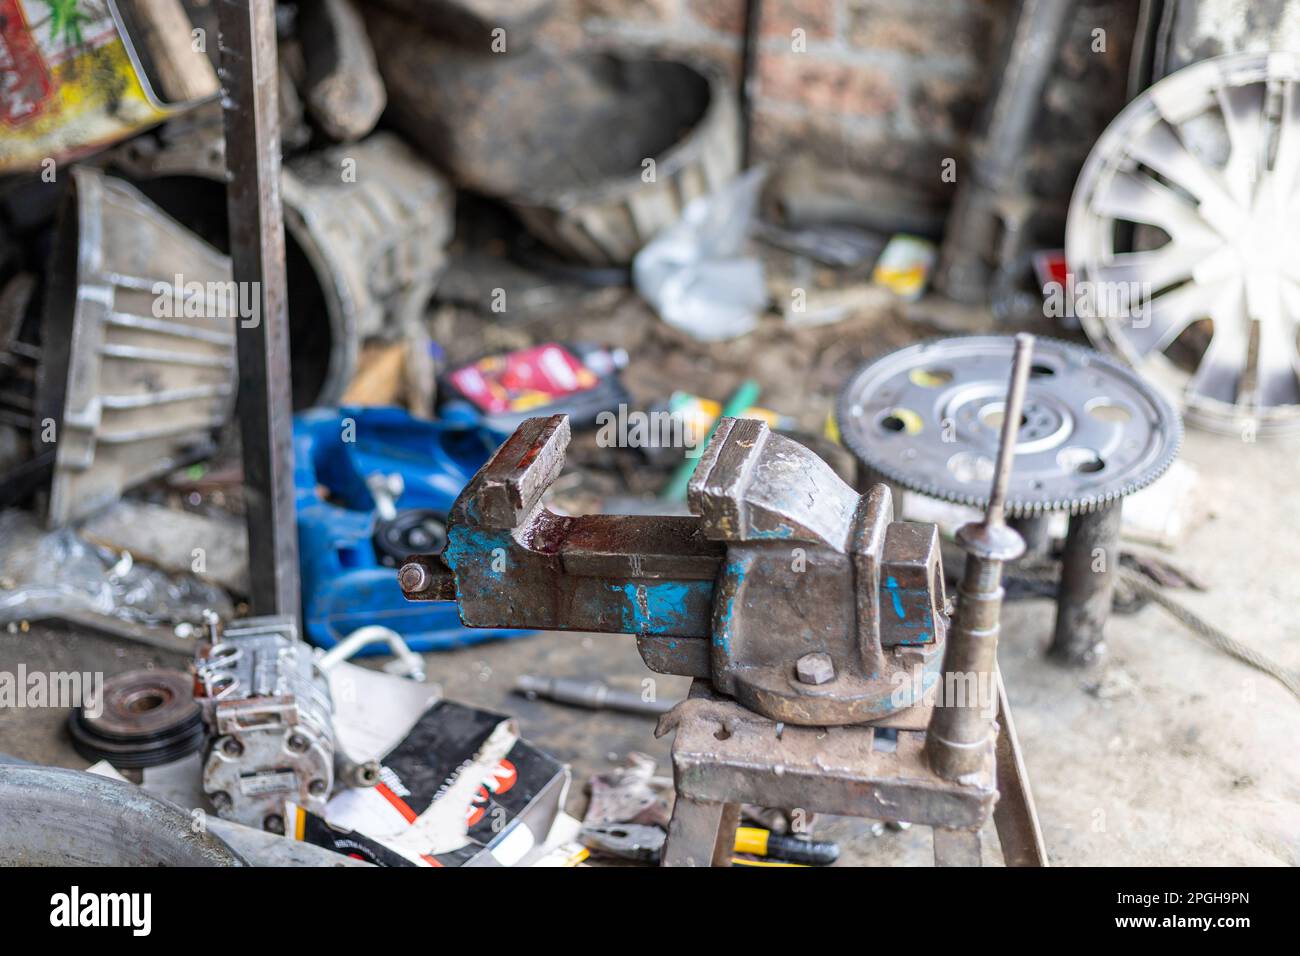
[[1069, 384]]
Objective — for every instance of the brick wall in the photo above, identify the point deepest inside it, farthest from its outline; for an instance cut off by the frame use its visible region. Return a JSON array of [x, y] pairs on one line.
[[884, 89]]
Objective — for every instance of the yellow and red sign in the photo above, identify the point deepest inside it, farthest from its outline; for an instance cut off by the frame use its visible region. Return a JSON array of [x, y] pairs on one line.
[[68, 82]]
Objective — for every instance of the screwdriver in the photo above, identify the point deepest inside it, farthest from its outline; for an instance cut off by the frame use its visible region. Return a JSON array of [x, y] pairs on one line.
[[644, 844]]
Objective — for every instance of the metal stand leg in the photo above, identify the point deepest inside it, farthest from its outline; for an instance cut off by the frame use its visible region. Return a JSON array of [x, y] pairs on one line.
[[700, 827], [1014, 815], [1088, 574], [957, 847], [1034, 531]]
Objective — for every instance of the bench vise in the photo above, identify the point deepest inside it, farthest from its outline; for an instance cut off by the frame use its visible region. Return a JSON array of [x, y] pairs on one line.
[[786, 589]]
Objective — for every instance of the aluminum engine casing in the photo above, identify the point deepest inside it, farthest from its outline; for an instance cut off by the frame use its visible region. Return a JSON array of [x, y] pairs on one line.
[[269, 716]]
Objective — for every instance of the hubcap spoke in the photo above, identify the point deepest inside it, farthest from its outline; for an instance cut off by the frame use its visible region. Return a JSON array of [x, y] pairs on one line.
[[1286, 165], [1138, 198], [1164, 319], [1233, 254], [1219, 374], [1243, 114], [1162, 150]]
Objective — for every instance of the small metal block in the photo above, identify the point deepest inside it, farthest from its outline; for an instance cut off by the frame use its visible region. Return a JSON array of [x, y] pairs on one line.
[[815, 669]]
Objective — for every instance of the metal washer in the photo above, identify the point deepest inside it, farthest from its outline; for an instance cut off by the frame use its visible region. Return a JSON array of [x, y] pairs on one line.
[[927, 417]]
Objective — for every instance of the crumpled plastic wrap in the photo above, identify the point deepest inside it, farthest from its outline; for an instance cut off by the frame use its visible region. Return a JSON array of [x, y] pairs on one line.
[[49, 574], [695, 273]]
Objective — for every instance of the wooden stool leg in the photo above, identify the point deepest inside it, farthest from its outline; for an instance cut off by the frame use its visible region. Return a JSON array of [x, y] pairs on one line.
[[701, 833]]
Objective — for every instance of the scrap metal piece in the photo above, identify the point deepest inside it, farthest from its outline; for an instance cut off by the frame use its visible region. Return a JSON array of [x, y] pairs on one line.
[[371, 221], [594, 694], [637, 842], [608, 221], [477, 22], [631, 793], [927, 418], [591, 196], [146, 718], [138, 346], [1208, 306], [1015, 816], [342, 88], [50, 816]]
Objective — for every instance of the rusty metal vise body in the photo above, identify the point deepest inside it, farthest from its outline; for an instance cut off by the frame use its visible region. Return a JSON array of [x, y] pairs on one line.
[[785, 588]]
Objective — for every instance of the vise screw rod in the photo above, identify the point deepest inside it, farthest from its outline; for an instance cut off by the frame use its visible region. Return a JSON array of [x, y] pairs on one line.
[[959, 738]]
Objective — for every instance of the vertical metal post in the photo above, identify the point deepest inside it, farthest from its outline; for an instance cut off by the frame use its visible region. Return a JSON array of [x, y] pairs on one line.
[[249, 80], [959, 738], [982, 210], [1088, 574], [749, 54]]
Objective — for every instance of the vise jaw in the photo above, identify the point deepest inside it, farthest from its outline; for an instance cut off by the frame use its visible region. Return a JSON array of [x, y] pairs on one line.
[[786, 589]]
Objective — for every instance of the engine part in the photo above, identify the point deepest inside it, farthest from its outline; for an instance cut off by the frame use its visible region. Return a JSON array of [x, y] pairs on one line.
[[388, 492], [269, 717], [146, 718], [405, 662], [373, 221], [50, 816], [614, 146], [137, 346], [927, 418], [367, 225], [1200, 171]]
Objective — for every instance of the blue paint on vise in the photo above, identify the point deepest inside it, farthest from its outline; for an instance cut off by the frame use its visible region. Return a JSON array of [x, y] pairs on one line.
[[891, 585], [736, 571], [466, 544], [658, 607], [922, 624]]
